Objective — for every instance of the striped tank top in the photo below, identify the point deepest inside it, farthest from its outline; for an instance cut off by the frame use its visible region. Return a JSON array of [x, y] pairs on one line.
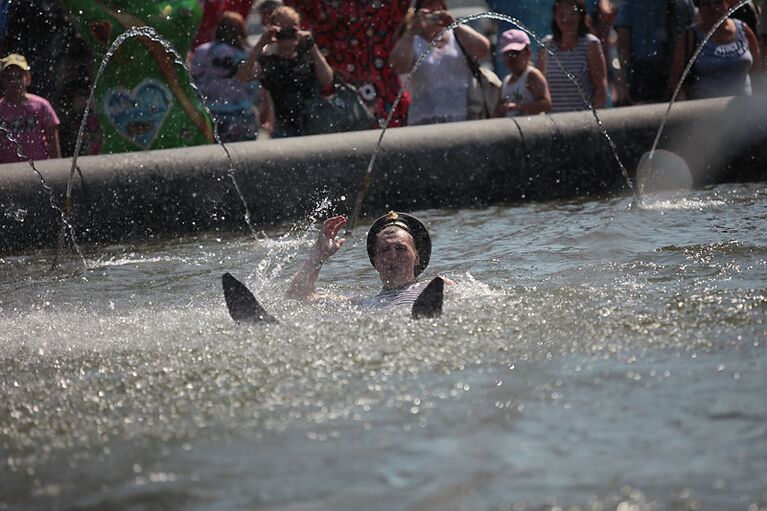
[[565, 96]]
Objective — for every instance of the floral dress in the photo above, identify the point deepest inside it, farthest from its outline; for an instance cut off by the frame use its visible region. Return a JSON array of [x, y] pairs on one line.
[[356, 37]]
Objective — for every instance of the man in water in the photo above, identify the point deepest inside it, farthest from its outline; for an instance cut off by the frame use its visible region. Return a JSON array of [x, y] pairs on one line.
[[399, 247]]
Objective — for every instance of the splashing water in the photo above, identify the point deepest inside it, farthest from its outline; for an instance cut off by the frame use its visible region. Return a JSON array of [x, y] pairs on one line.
[[150, 33], [688, 68], [496, 16], [284, 248]]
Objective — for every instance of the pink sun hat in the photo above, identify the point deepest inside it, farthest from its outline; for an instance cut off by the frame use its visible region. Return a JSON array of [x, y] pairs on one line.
[[513, 39]]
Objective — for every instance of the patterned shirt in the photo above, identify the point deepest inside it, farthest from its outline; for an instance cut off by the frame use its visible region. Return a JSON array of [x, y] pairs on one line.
[[356, 37]]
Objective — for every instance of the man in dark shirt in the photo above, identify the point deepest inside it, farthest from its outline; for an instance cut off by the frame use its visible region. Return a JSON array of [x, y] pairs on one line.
[[291, 67]]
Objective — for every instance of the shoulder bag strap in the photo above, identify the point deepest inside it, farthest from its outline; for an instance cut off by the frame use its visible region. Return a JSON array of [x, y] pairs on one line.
[[474, 67]]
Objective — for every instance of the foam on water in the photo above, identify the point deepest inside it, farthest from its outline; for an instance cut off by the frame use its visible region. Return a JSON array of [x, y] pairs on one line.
[[680, 202]]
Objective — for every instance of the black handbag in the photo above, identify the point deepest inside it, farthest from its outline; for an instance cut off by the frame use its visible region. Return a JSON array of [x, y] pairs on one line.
[[342, 111]]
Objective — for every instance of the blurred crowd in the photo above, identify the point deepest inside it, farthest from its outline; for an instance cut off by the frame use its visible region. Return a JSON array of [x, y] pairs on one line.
[[259, 83]]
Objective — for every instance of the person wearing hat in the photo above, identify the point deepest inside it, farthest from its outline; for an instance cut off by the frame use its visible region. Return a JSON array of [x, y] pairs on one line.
[[28, 118], [524, 90], [399, 247]]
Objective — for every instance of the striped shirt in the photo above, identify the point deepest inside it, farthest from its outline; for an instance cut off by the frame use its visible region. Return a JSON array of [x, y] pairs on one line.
[[565, 96], [393, 297]]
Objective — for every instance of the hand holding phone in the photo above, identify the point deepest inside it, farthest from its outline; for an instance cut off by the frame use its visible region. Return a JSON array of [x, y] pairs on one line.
[[287, 33]]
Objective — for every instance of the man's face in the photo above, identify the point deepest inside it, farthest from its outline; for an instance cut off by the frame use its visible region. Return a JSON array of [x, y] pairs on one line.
[[395, 257]]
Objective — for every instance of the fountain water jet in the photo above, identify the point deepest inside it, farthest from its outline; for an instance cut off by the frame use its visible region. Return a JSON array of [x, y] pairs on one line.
[[676, 166], [151, 34]]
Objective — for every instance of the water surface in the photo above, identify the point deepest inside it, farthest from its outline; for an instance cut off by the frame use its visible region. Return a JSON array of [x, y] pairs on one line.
[[588, 357]]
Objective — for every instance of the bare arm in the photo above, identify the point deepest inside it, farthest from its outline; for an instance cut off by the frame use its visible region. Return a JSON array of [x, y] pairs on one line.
[[598, 73], [402, 56], [539, 88], [266, 111], [322, 69], [52, 137], [753, 45], [301, 287], [251, 68], [475, 44]]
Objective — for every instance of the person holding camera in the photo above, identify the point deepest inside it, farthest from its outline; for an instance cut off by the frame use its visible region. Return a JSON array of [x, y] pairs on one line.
[[440, 86], [291, 67], [356, 39]]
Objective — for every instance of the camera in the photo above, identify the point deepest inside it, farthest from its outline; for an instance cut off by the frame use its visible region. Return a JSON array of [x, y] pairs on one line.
[[287, 33], [433, 18]]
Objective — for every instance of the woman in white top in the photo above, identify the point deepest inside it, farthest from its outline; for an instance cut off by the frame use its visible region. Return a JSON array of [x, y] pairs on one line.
[[524, 90], [440, 86], [580, 53]]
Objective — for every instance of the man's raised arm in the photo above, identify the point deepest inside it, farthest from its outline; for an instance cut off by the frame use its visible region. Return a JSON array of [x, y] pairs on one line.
[[301, 287]]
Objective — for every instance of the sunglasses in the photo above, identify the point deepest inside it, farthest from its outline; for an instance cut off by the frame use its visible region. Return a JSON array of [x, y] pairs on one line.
[[513, 54]]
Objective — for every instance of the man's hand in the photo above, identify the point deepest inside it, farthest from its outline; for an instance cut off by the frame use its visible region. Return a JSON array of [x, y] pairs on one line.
[[327, 244], [301, 287]]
